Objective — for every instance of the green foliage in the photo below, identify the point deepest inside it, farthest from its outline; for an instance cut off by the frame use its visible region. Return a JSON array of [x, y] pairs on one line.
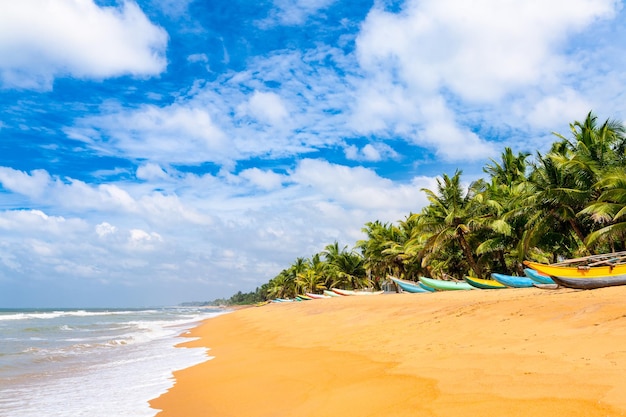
[[567, 203]]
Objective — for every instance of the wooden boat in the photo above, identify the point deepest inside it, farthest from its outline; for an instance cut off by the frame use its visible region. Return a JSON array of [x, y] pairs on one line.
[[512, 281], [587, 278], [330, 293], [315, 296], [282, 300], [442, 285], [552, 286], [586, 271], [352, 292], [409, 286], [537, 276], [426, 287], [484, 284]]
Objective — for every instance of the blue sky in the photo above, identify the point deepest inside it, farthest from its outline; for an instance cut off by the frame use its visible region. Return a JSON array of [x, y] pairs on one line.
[[161, 151]]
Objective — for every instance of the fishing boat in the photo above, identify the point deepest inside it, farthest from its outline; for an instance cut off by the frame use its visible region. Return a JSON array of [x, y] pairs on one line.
[[315, 296], [442, 285], [484, 284], [409, 286], [537, 276], [512, 281], [587, 271], [584, 277], [352, 292]]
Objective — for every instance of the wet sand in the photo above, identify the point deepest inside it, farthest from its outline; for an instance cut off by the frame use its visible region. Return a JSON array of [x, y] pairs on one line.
[[513, 352]]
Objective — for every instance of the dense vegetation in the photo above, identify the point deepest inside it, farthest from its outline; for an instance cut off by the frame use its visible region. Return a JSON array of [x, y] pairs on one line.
[[567, 203]]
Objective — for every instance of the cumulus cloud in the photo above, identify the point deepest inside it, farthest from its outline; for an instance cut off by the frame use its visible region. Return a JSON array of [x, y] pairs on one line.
[[172, 134], [266, 107], [41, 40], [436, 56], [267, 180], [373, 152]]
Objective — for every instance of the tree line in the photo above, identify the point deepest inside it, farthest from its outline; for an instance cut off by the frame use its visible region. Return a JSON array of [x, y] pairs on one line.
[[567, 203]]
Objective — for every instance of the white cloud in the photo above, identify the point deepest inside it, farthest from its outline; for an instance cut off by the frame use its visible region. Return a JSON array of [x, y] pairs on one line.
[[356, 187], [41, 40], [426, 64], [548, 111], [267, 180], [172, 134], [142, 240], [33, 185], [294, 12], [104, 229], [374, 152], [265, 107], [150, 172]]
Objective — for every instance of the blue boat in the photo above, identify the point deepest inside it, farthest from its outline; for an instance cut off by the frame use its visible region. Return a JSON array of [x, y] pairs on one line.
[[514, 282], [408, 286], [536, 276]]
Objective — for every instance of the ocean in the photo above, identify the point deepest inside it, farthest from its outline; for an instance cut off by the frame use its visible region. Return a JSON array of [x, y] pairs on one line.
[[92, 362]]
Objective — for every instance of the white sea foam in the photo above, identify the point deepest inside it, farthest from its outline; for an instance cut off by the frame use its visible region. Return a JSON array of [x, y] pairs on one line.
[[113, 370]]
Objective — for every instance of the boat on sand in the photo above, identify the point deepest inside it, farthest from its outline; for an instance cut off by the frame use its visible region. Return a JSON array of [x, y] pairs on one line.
[[352, 292], [596, 271], [484, 284], [513, 281], [537, 276], [442, 285], [408, 286]]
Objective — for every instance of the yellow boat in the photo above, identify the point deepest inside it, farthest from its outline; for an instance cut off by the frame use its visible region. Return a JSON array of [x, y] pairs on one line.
[[580, 271], [583, 277], [484, 284]]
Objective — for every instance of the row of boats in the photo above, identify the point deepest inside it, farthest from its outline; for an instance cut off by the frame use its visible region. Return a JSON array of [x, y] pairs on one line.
[[334, 292], [589, 272], [596, 271]]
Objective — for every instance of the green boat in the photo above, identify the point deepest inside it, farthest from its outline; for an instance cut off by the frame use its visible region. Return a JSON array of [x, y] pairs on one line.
[[442, 285]]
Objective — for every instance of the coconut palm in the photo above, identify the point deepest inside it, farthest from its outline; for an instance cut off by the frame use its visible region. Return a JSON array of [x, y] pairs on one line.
[[311, 277], [345, 267], [450, 218], [610, 211]]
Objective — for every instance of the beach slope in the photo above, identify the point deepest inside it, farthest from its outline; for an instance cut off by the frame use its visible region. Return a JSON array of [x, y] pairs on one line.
[[516, 352]]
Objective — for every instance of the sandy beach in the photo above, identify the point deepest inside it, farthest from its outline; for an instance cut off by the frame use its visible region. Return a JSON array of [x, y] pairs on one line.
[[513, 352]]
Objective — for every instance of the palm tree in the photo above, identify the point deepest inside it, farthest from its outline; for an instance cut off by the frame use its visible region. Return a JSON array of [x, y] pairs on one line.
[[504, 222], [565, 182], [345, 267], [610, 211], [450, 218], [311, 277]]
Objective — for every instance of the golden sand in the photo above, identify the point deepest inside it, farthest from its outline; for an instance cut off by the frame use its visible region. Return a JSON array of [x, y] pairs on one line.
[[513, 352]]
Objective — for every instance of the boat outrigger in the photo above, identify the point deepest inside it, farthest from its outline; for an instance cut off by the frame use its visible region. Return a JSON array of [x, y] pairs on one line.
[[596, 271]]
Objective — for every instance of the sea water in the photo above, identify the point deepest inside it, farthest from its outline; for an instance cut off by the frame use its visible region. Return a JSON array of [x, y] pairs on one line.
[[92, 363]]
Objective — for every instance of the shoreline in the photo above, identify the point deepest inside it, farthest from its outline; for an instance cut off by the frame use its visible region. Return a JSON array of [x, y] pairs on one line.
[[515, 352]]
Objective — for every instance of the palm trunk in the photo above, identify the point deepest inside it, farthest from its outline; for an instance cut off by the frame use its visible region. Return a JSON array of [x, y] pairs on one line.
[[579, 234], [468, 254]]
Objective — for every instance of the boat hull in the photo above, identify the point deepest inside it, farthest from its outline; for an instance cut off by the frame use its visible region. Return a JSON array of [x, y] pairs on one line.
[[484, 284], [351, 292], [591, 282], [514, 282], [408, 286], [316, 296], [537, 277], [578, 271], [442, 285]]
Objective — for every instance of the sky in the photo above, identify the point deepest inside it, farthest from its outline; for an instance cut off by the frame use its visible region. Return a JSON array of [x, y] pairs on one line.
[[154, 152]]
